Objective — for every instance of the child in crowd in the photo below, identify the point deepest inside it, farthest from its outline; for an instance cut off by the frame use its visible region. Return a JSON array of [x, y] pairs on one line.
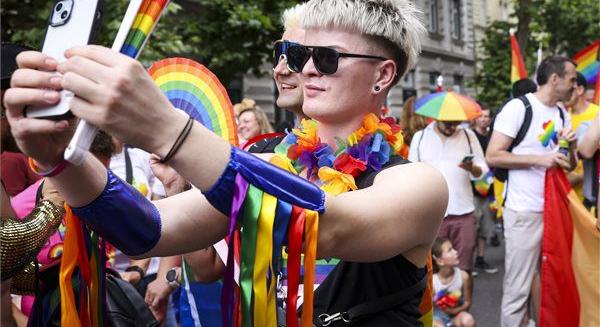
[[452, 288]]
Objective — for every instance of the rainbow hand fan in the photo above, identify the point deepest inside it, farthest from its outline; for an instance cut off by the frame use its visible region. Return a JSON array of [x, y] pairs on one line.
[[194, 89]]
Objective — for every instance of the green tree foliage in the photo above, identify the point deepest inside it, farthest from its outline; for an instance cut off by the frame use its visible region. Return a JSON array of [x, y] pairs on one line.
[[228, 36], [563, 28], [492, 81]]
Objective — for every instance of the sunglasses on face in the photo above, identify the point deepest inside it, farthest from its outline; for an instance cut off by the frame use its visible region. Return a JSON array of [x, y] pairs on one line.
[[325, 59], [280, 50]]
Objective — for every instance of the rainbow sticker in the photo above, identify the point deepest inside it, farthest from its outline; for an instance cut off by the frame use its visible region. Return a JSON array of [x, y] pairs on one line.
[[145, 21], [194, 89], [55, 252], [549, 133]]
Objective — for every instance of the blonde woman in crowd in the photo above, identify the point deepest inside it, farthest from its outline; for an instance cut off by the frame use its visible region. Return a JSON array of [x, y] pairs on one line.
[[252, 120]]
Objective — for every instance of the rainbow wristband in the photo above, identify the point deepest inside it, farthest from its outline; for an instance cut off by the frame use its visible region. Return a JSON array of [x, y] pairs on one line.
[[123, 217], [50, 173], [266, 177]]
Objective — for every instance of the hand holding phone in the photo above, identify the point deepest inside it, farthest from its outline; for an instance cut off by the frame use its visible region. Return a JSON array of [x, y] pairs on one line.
[[468, 158], [71, 23]]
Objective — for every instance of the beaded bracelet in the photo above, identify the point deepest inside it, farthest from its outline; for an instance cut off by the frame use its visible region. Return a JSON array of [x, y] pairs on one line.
[[50, 173]]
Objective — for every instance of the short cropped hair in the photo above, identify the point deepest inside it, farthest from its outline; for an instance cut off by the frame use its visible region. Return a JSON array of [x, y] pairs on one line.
[[102, 147], [552, 65], [522, 87], [291, 17], [394, 25], [581, 81]]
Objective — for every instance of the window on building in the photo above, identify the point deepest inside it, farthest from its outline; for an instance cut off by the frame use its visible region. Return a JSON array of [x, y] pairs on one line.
[[408, 82], [456, 19], [433, 16], [458, 83]]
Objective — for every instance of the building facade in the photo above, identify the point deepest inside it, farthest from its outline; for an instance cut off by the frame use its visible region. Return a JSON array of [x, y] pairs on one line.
[[448, 50]]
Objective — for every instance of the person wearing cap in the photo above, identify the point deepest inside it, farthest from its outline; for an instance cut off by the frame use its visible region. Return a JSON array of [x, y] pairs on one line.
[[455, 151]]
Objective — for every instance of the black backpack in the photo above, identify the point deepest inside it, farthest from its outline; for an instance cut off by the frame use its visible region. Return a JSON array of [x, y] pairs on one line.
[[501, 174]]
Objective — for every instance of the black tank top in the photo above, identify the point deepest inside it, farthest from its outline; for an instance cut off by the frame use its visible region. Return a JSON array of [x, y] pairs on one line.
[[353, 283]]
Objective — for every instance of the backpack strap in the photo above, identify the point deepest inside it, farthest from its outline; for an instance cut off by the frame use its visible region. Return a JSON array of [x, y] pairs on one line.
[[128, 167], [518, 138], [525, 125], [378, 305], [468, 141]]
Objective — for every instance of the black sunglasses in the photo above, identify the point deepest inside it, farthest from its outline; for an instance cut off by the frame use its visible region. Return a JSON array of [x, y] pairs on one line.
[[280, 49], [325, 59]]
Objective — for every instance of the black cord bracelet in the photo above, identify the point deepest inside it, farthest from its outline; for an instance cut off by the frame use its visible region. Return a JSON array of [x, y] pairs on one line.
[[179, 141], [137, 269]]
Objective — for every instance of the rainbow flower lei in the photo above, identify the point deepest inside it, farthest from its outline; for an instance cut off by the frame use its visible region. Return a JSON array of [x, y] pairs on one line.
[[367, 149]]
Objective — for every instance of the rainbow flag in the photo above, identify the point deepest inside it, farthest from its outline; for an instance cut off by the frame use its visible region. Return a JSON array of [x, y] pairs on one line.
[[588, 63], [146, 19], [596, 98], [517, 65], [570, 258]]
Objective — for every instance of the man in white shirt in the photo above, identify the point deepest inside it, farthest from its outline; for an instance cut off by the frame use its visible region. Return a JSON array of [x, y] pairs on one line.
[[456, 153], [527, 164]]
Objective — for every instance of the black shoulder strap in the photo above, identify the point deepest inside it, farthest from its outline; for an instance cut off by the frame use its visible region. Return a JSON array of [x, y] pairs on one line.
[[128, 168], [468, 141], [501, 172], [562, 115], [378, 305], [525, 126]]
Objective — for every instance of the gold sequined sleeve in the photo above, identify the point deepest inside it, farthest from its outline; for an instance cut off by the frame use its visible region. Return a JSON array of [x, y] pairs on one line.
[[21, 240]]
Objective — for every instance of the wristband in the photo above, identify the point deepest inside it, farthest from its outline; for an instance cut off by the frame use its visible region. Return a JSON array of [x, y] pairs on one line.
[[123, 217], [267, 177], [50, 173]]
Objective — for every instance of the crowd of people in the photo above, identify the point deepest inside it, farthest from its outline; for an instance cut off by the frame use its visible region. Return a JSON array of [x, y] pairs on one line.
[[334, 67]]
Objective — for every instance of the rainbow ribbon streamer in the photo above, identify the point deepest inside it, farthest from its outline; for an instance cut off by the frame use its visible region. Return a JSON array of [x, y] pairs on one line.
[[83, 257], [82, 250], [267, 224], [146, 19]]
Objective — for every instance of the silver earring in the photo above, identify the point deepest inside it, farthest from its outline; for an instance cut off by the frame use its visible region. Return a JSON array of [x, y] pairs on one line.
[[376, 88]]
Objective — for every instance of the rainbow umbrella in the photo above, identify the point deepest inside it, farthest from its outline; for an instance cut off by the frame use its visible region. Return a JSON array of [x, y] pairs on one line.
[[447, 106]]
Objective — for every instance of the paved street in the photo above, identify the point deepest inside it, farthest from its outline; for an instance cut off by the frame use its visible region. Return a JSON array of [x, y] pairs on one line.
[[487, 292]]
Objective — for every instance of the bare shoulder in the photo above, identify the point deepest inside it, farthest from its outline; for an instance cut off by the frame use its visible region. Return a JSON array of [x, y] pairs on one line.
[[415, 189], [415, 176], [465, 275]]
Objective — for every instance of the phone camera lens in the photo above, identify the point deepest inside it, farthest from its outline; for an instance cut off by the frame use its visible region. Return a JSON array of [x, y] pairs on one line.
[[58, 7], [64, 14]]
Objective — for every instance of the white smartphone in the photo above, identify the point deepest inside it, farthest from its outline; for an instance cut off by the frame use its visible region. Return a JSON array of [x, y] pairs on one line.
[[71, 23]]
